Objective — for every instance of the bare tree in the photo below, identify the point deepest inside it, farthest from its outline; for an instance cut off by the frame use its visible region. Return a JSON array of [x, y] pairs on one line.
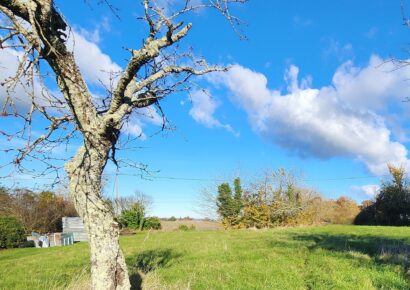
[[36, 32], [127, 202], [207, 203]]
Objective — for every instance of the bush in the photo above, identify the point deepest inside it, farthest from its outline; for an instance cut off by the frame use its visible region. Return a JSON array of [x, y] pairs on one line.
[[28, 244], [152, 223], [186, 228], [133, 218], [11, 232]]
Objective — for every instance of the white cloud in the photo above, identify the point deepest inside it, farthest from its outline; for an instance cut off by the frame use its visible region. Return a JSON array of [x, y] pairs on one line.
[[203, 109], [20, 93], [9, 61], [326, 122], [371, 86], [369, 190], [93, 36], [96, 66], [134, 128], [139, 120]]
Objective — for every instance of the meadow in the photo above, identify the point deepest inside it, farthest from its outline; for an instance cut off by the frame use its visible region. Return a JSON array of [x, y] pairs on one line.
[[325, 257]]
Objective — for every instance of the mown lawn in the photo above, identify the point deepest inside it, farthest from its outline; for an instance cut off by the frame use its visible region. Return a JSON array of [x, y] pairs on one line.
[[328, 257]]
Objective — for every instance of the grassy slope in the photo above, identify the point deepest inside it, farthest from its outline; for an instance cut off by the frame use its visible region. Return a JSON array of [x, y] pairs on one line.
[[331, 257]]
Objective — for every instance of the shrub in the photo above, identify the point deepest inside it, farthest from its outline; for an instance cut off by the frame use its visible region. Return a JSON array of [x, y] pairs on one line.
[[11, 232], [133, 218], [152, 223], [28, 244], [186, 228]]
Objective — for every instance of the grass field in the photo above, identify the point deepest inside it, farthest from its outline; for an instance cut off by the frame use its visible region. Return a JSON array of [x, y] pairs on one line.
[[197, 224], [328, 257]]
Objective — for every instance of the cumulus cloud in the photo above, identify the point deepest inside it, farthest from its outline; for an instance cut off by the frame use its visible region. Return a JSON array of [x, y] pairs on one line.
[[336, 120], [371, 86], [369, 190], [9, 61], [203, 109], [96, 66], [19, 92]]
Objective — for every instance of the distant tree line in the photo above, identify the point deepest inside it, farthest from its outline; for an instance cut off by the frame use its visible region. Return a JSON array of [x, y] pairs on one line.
[[391, 206], [278, 200], [37, 211]]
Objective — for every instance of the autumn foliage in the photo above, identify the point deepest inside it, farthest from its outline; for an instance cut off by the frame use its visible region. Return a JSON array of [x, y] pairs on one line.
[[36, 211], [279, 200]]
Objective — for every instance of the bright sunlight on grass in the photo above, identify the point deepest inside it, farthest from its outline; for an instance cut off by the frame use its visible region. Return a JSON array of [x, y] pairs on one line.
[[328, 257]]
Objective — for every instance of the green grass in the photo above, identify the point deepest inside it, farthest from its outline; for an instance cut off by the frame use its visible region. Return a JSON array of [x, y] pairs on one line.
[[329, 257]]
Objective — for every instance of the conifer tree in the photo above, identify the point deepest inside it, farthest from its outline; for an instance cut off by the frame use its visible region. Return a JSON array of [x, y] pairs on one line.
[[224, 201]]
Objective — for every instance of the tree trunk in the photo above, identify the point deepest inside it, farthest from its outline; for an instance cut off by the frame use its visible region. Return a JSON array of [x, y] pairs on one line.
[[108, 268]]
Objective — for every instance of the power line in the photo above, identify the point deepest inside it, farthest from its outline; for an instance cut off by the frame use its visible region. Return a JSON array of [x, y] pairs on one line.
[[222, 180], [171, 177], [148, 177]]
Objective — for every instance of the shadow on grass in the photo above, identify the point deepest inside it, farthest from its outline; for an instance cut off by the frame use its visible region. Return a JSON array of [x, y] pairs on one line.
[[136, 281], [148, 261], [381, 249]]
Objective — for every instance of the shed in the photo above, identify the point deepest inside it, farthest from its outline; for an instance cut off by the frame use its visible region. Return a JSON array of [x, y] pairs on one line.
[[75, 225]]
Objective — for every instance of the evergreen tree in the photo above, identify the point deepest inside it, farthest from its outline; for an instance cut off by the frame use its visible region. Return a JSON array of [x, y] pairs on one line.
[[238, 198], [224, 200]]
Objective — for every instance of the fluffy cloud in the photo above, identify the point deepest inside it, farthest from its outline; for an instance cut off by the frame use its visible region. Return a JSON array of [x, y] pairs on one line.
[[203, 109], [369, 190], [371, 87], [336, 120], [9, 61], [96, 66], [20, 93]]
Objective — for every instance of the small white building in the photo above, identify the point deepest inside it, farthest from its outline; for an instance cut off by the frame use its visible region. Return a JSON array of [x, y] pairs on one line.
[[75, 225]]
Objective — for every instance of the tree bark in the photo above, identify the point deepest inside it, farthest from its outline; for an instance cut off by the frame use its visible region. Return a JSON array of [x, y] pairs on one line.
[[108, 267]]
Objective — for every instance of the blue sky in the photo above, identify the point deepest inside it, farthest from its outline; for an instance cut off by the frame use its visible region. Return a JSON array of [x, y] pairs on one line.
[[310, 91]]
